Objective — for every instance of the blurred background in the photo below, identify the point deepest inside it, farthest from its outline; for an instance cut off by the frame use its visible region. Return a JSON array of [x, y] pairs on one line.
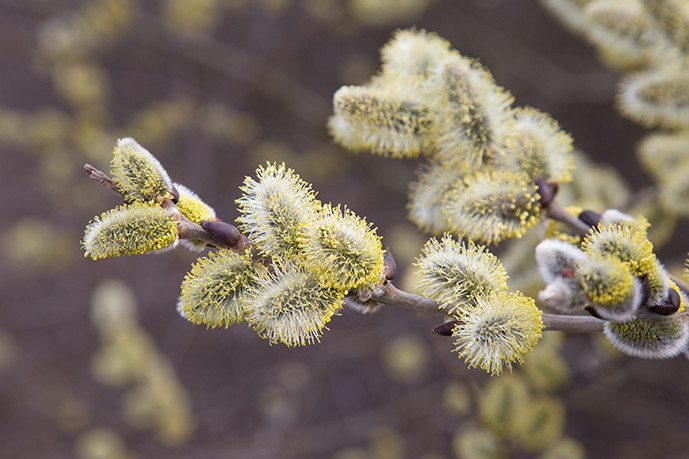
[[96, 363]]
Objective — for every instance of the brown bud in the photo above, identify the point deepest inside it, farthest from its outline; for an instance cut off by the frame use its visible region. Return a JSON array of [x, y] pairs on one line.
[[590, 217], [669, 306], [545, 191], [174, 194], [445, 329], [389, 265], [673, 298], [225, 233], [645, 288]]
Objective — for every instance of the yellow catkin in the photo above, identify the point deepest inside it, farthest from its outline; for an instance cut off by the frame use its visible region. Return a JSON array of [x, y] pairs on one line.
[[129, 229]]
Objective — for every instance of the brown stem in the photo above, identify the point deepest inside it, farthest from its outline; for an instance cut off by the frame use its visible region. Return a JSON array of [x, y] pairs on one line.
[[580, 324], [192, 232], [558, 213], [100, 177], [390, 295]]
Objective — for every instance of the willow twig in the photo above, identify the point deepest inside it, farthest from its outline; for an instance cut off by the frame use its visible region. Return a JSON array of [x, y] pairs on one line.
[[558, 213], [237, 63], [100, 177], [391, 295], [582, 324]]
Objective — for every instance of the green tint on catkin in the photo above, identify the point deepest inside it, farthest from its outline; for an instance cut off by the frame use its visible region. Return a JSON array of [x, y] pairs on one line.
[[129, 229], [565, 448], [663, 153], [545, 368], [276, 209], [650, 336], [456, 274], [537, 146], [291, 306], [213, 291], [610, 286], [475, 111], [342, 250], [502, 403], [499, 330], [475, 443], [621, 32], [493, 206], [656, 98], [632, 247], [369, 119], [138, 175], [428, 194], [541, 423], [674, 188]]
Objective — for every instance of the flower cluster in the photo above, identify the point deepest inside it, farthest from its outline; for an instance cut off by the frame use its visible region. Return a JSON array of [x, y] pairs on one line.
[[648, 40], [313, 254], [483, 153], [493, 326], [615, 276], [305, 257], [146, 222]]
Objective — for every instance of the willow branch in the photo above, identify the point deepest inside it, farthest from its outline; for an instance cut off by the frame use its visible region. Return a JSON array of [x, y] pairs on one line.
[[558, 213], [190, 231], [220, 234], [392, 296], [236, 63], [582, 324], [100, 177]]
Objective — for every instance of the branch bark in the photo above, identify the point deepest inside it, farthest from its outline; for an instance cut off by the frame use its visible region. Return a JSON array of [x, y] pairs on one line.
[[558, 213], [392, 296]]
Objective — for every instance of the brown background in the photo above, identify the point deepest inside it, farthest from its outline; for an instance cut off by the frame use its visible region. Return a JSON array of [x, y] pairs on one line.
[[616, 408]]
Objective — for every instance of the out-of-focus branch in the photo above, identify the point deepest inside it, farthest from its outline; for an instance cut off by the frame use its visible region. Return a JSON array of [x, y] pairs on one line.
[[235, 63]]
